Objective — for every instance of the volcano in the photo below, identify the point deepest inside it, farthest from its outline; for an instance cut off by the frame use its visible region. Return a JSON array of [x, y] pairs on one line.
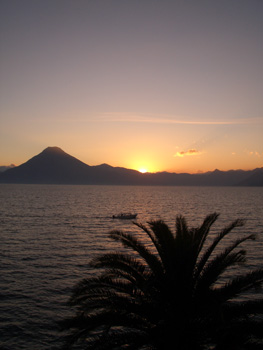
[[54, 166]]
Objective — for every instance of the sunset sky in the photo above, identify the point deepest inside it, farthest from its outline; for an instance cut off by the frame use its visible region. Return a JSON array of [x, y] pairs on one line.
[[144, 84]]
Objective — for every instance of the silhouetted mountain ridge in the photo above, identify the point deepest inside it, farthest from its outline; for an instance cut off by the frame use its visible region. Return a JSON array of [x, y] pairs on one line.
[[54, 166], [6, 167]]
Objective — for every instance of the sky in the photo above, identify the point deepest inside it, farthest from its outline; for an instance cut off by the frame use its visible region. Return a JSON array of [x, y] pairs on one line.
[[151, 85]]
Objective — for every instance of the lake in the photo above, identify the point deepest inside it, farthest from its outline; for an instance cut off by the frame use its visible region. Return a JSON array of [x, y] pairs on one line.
[[49, 233]]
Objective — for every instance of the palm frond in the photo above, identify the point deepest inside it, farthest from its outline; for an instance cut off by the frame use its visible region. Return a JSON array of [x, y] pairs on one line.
[[164, 241], [135, 269], [181, 227], [202, 232], [128, 339], [207, 254], [215, 268], [95, 289], [239, 285], [84, 326], [194, 239], [130, 241], [243, 309], [147, 231]]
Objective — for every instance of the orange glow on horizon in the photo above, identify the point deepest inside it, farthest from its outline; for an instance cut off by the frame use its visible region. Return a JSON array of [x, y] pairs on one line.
[[144, 162], [143, 170], [144, 165]]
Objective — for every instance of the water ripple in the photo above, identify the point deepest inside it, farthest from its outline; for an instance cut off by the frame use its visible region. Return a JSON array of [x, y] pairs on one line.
[[49, 233]]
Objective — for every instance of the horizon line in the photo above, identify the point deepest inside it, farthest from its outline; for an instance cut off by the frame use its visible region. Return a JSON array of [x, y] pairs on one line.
[[199, 172]]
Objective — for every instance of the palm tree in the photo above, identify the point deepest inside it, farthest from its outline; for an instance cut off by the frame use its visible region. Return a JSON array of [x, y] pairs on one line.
[[168, 296]]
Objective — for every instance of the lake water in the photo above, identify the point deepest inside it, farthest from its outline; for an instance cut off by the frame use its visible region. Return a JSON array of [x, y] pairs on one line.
[[49, 233]]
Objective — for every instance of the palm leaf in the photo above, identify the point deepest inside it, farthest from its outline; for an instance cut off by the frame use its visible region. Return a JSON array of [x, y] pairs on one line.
[[130, 241], [240, 284], [135, 270], [243, 309], [211, 248], [215, 268], [202, 232], [164, 242]]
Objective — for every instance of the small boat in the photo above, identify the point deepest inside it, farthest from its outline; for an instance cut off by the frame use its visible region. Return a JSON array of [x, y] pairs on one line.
[[125, 216]]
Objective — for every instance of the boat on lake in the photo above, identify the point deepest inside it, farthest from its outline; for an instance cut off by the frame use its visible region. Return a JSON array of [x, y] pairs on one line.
[[125, 216]]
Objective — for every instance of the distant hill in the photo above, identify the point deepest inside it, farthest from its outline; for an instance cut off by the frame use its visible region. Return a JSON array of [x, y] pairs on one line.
[[54, 166], [254, 179], [6, 167]]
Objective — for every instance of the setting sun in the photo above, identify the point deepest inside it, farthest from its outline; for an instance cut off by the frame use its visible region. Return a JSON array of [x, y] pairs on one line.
[[143, 170], [144, 163]]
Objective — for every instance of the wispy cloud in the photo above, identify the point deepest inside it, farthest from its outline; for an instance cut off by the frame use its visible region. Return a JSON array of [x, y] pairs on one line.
[[255, 153], [171, 119], [190, 152]]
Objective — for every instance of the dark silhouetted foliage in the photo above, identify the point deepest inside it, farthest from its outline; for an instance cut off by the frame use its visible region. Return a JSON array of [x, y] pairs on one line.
[[165, 294]]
